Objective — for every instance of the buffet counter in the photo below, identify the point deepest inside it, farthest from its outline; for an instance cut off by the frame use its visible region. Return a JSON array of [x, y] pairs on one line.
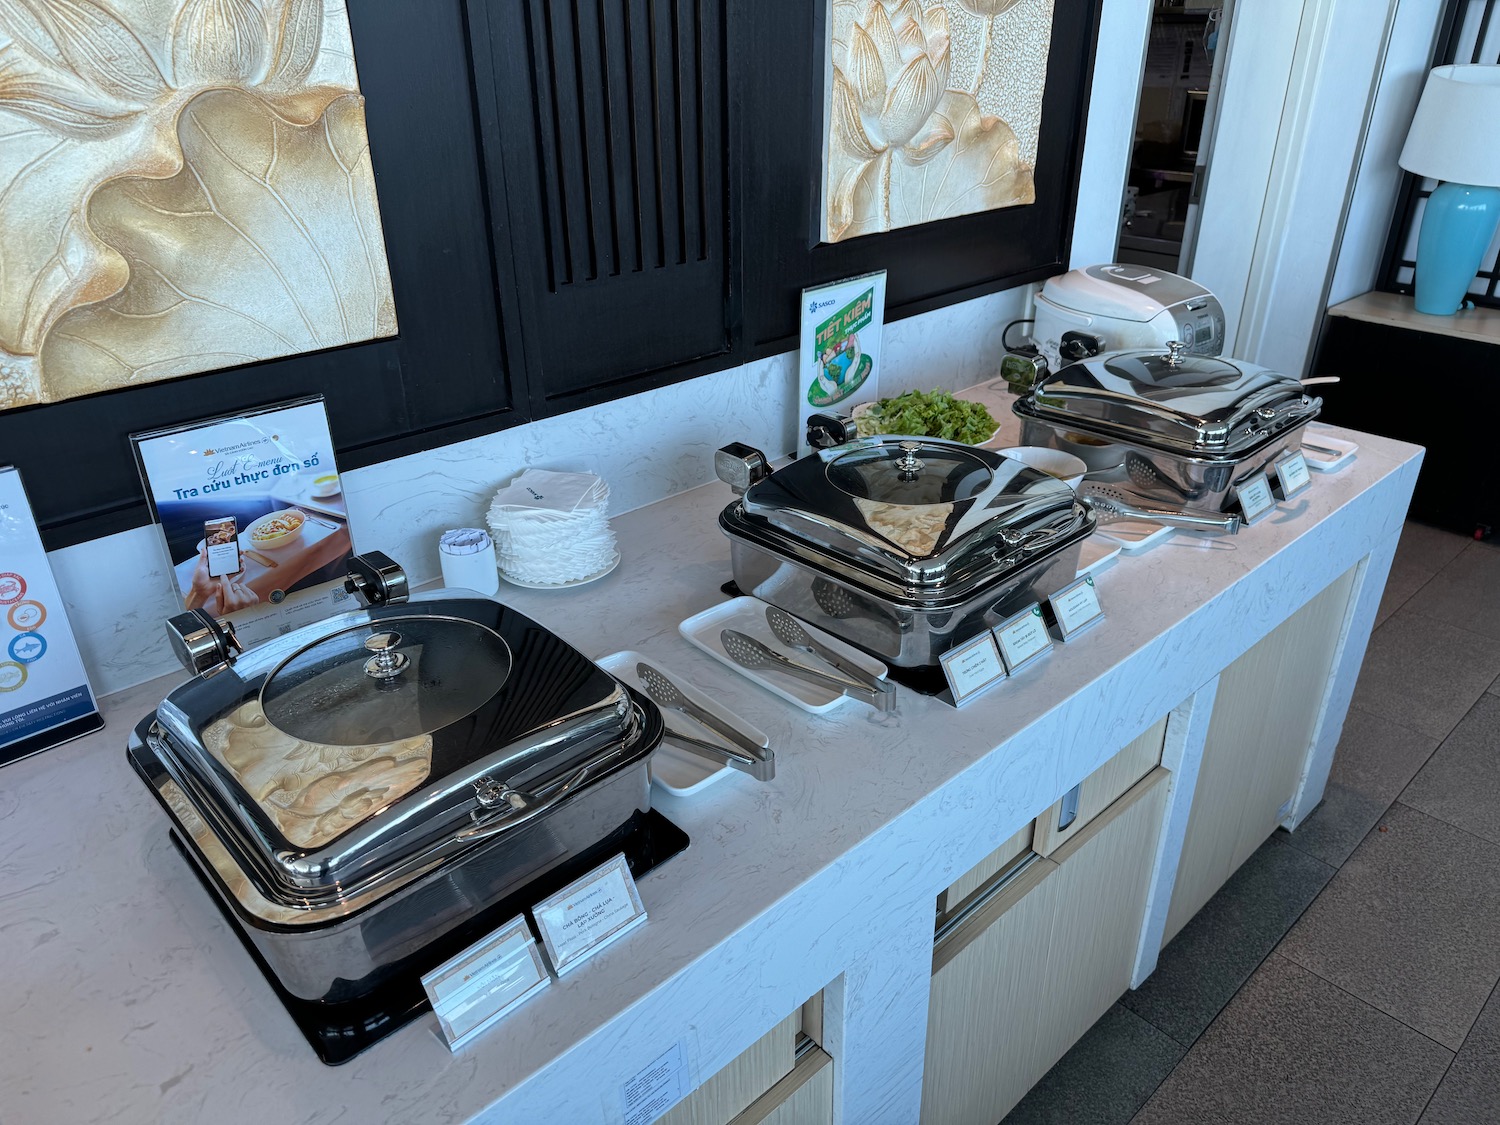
[[130, 1000]]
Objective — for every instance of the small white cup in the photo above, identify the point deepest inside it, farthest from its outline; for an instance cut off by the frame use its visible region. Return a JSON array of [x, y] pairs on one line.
[[1055, 462]]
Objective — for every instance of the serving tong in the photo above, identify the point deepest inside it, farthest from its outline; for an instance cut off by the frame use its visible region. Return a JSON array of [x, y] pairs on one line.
[[1111, 506], [790, 632], [756, 655], [745, 754]]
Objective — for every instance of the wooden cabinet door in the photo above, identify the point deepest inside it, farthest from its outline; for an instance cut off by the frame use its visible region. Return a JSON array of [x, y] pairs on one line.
[[1104, 873], [803, 1097], [1266, 713], [1030, 971], [734, 1088], [988, 983], [1101, 789]]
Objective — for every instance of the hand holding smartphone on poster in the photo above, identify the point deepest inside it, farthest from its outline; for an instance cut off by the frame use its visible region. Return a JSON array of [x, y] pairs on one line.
[[252, 516]]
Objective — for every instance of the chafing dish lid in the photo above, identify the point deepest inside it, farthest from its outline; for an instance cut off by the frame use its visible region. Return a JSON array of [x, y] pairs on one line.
[[411, 676], [1187, 402], [325, 772], [920, 512]]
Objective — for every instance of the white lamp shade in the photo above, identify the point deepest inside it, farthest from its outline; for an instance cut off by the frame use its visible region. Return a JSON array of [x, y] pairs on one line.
[[1455, 135]]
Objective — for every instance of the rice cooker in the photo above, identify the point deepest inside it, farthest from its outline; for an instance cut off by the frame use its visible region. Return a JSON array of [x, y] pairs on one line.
[[1124, 306]]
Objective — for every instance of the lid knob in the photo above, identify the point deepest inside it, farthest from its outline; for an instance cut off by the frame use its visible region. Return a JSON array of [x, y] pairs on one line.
[[909, 464], [387, 663], [1175, 351]]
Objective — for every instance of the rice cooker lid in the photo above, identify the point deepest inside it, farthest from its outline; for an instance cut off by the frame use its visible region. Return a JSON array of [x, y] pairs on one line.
[[1124, 292]]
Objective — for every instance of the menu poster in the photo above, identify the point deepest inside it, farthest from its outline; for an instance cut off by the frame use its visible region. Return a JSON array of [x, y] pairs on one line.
[[45, 697], [252, 513], [840, 358]]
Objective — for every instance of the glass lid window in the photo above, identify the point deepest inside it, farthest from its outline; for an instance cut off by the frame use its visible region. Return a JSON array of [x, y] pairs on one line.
[[910, 473], [396, 678], [1153, 371]]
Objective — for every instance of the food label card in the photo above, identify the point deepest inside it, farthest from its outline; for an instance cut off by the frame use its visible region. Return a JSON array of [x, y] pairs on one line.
[[1076, 607], [1254, 496], [588, 914], [45, 696], [1292, 473], [971, 667], [1023, 638], [490, 979], [252, 513]]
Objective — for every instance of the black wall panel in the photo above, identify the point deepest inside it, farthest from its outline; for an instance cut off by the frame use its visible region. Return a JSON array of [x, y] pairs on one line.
[[613, 152]]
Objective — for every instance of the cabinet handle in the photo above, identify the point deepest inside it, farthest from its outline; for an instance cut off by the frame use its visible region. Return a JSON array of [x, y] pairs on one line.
[[1068, 813]]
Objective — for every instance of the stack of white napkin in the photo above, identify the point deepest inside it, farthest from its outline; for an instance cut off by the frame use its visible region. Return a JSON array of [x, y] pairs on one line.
[[552, 528]]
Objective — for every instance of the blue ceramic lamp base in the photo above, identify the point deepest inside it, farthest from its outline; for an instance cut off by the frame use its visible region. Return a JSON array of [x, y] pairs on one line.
[[1457, 228]]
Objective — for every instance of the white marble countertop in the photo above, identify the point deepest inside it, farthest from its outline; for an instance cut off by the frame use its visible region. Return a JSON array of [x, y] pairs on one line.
[[129, 1000]]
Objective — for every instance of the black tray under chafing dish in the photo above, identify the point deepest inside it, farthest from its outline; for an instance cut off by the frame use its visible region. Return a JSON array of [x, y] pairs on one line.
[[339, 1032]]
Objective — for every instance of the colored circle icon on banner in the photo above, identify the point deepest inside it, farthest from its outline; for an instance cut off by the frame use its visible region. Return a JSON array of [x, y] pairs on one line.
[[24, 616], [28, 648], [12, 588], [12, 675]]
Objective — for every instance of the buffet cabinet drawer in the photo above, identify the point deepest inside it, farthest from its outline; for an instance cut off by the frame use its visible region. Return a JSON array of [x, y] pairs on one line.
[[1075, 810], [1030, 968], [803, 1097], [1266, 714]]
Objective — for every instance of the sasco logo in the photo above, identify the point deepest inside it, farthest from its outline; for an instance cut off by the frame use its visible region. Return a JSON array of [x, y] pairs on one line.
[[814, 306]]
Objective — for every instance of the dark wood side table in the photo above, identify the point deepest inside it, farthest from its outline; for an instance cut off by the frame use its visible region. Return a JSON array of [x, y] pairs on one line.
[[1432, 380]]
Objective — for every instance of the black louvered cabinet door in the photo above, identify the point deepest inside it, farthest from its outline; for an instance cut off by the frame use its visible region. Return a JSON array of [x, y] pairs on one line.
[[607, 153]]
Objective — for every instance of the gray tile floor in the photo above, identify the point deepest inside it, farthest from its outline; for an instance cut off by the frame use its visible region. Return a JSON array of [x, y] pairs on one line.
[[1347, 974]]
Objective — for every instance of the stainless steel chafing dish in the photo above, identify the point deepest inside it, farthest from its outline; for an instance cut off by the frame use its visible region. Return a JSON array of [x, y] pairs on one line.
[[359, 788], [902, 546], [1177, 429]]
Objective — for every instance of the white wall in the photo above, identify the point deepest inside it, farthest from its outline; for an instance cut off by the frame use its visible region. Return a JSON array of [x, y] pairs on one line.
[[1299, 85], [648, 447], [1124, 27], [1374, 199]]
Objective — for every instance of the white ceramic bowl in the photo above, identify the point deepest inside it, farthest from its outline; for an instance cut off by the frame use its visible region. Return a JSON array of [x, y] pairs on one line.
[[325, 485], [1064, 466], [258, 537]]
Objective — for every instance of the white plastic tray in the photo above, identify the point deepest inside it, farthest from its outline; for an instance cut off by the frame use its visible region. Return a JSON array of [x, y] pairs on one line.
[[748, 615], [1325, 453], [674, 770], [1097, 552], [1136, 536]]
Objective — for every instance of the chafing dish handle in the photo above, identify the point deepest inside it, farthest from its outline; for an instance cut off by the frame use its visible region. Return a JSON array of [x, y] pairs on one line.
[[514, 808], [375, 579], [1104, 394], [201, 642], [1029, 541], [739, 466], [828, 429]]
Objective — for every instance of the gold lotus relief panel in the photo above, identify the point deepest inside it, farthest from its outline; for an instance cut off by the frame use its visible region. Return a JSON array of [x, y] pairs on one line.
[[933, 110], [185, 185]]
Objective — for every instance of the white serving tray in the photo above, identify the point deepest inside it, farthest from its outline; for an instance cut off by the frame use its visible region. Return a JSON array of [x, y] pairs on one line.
[[1324, 452], [674, 770], [748, 615], [1136, 536], [1096, 554]]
